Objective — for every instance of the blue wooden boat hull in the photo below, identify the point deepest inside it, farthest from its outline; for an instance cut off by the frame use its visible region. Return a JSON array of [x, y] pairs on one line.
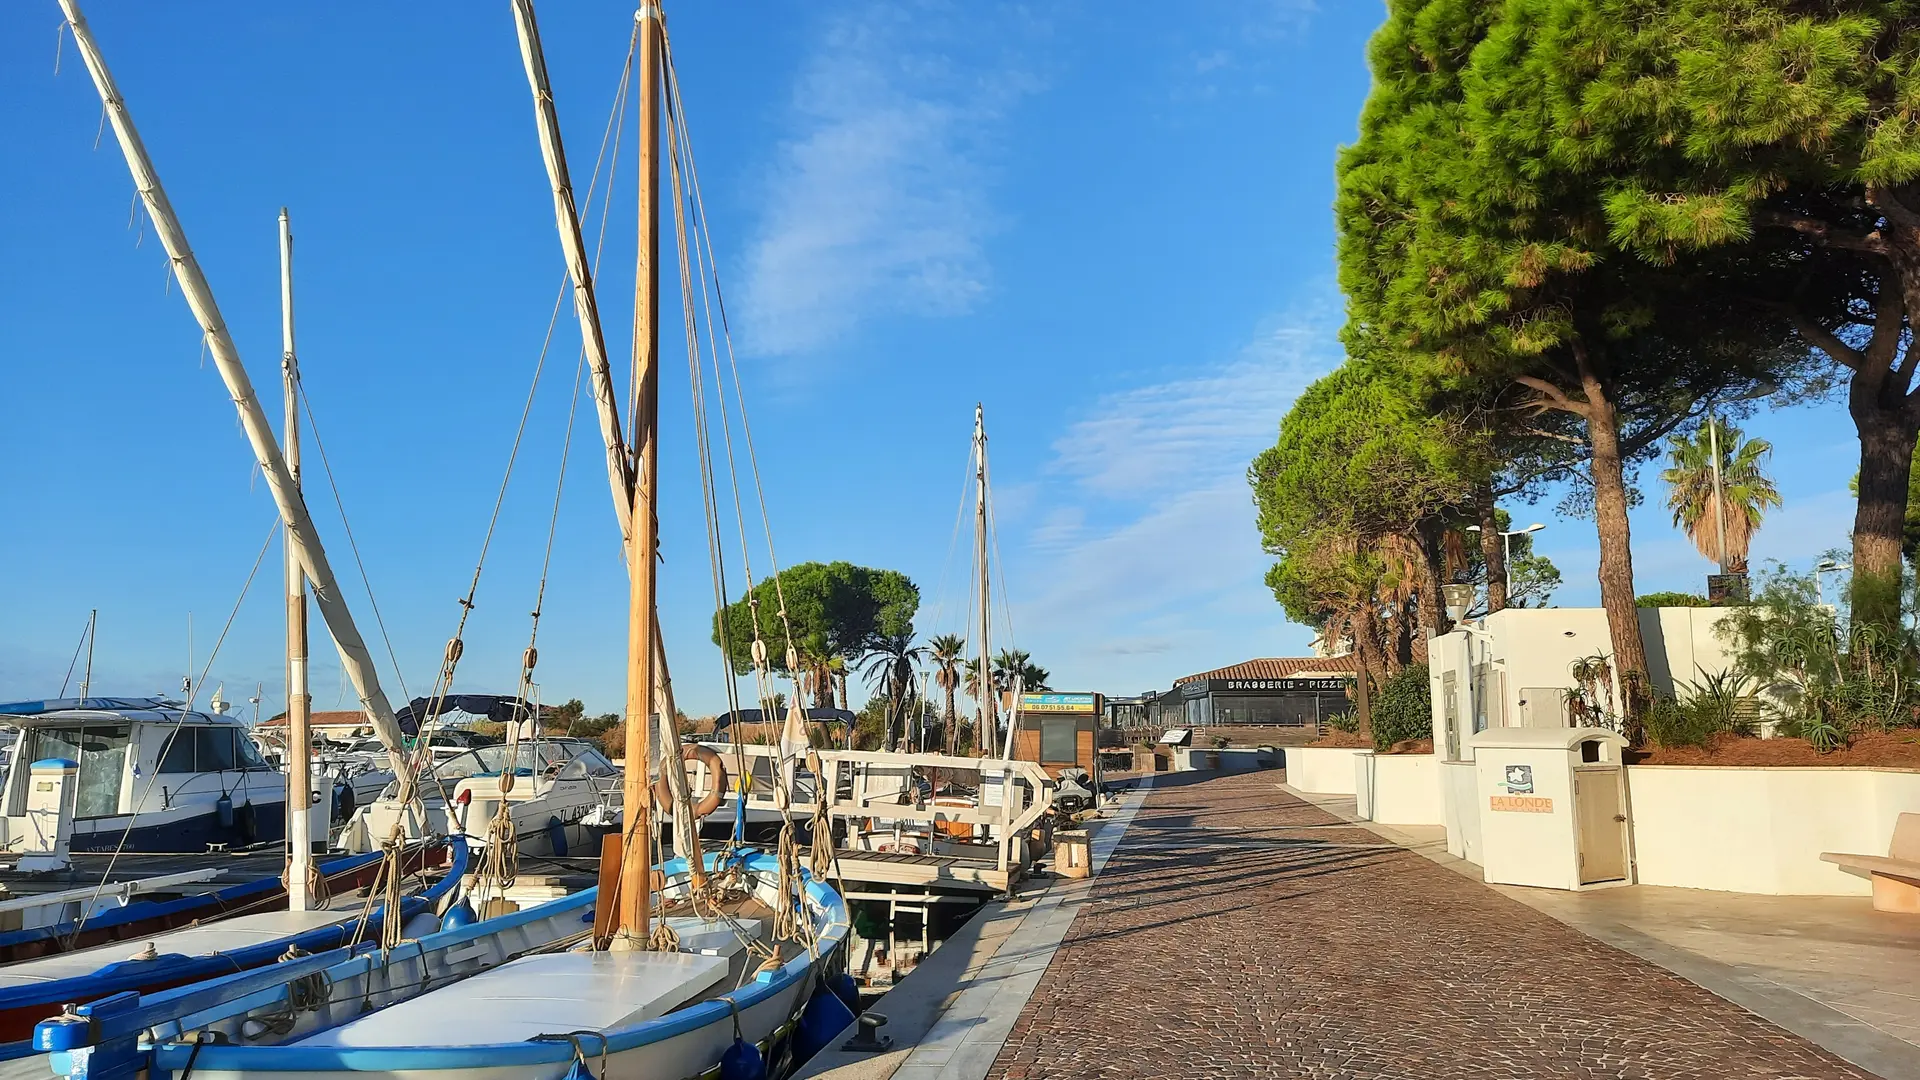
[[767, 1007], [21, 1007]]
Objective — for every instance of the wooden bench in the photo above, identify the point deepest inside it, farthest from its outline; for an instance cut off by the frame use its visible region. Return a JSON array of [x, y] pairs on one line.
[[1895, 875]]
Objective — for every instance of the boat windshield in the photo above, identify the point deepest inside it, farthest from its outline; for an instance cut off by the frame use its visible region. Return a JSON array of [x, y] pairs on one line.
[[101, 752], [562, 759]]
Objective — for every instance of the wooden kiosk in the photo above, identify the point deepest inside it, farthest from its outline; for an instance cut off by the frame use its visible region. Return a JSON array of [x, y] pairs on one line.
[[1059, 731]]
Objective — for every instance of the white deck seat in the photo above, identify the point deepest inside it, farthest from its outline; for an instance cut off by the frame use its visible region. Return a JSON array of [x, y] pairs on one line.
[[222, 936], [538, 995]]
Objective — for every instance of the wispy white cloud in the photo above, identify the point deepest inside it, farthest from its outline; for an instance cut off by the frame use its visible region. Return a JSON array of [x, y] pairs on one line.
[[1229, 44], [878, 207], [1210, 424], [1150, 565]]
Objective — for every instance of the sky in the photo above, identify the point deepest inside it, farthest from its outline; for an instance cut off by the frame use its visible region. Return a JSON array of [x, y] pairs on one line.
[[1109, 224]]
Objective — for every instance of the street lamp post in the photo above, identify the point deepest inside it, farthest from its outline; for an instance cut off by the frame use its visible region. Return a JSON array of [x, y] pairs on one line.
[[1506, 540], [1821, 568]]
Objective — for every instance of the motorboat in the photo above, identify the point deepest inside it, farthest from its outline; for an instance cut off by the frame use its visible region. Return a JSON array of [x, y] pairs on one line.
[[153, 776], [564, 795]]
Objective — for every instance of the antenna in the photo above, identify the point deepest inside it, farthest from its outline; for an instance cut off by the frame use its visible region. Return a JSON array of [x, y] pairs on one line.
[[86, 677], [186, 681]]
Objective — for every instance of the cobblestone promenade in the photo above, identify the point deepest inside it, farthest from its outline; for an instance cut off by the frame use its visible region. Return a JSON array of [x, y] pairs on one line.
[[1240, 932]]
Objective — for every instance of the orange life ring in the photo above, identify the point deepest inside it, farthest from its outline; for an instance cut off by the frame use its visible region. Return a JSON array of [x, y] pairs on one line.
[[708, 803]]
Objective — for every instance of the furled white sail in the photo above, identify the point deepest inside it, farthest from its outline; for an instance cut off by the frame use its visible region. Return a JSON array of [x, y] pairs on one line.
[[354, 656]]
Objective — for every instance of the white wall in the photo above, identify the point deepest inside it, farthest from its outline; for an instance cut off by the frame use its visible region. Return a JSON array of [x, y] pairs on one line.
[[1323, 770], [1460, 809], [1398, 789], [1762, 830], [1533, 649]]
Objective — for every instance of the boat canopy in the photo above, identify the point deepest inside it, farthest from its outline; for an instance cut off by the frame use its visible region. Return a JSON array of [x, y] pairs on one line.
[[756, 716], [164, 710], [498, 708]]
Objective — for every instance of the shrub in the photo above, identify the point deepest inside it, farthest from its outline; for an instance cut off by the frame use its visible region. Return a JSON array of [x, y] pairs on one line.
[[1405, 709], [1715, 705], [1829, 678], [1671, 599], [1344, 722], [1672, 723]]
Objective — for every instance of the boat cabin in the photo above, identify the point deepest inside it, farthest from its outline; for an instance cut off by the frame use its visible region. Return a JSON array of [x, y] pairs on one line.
[[150, 772]]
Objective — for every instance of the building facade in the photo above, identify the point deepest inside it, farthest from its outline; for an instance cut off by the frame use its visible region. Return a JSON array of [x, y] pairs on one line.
[[1290, 691]]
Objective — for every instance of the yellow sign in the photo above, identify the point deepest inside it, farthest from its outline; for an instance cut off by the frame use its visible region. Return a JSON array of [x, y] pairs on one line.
[[1060, 703], [1521, 804]]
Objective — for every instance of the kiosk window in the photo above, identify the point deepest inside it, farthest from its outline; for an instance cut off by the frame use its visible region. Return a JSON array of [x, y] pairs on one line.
[[1058, 741]]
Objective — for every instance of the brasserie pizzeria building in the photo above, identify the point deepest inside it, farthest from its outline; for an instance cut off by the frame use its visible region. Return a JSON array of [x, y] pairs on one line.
[[1285, 691]]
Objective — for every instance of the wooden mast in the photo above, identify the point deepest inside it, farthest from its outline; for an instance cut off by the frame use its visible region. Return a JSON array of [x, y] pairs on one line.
[[636, 901], [632, 501], [299, 702], [355, 658], [989, 732]]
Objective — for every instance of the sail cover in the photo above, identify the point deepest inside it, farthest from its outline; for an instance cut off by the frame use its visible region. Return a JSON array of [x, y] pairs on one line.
[[496, 707]]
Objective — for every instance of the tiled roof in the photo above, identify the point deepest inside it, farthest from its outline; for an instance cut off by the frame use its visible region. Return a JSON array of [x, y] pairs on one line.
[[1279, 667], [342, 718]]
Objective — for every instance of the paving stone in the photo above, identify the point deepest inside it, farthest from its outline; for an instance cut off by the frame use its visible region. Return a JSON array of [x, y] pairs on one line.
[[1240, 932]]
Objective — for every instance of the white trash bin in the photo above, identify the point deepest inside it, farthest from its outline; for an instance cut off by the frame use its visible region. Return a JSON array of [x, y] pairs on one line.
[[1553, 807]]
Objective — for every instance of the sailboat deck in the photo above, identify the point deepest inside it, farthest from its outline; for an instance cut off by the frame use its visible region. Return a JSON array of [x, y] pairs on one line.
[[538, 997], [90, 870], [226, 935]]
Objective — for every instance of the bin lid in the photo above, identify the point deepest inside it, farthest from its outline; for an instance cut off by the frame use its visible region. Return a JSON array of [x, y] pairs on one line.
[[1538, 738]]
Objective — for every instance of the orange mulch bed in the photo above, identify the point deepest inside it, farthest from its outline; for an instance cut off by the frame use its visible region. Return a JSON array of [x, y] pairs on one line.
[[1412, 746], [1341, 739], [1895, 749]]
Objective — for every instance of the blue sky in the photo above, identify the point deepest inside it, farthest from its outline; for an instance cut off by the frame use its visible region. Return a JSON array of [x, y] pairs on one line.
[[1109, 223]]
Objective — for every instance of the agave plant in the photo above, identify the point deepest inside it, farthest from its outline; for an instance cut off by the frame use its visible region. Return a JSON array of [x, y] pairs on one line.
[[1592, 700]]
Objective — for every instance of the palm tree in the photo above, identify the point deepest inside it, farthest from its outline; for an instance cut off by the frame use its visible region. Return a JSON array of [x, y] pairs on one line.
[[1746, 490], [946, 653], [989, 711], [821, 671], [889, 665], [1012, 663]]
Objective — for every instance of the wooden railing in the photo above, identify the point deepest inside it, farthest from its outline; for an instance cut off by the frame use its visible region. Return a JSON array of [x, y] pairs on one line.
[[1011, 796]]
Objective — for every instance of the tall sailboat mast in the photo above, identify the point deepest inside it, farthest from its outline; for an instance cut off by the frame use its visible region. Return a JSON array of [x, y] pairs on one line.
[[988, 733], [643, 538], [299, 702], [354, 656], [632, 481]]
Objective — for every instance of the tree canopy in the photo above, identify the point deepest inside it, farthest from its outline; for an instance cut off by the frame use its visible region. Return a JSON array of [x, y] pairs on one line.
[[1761, 155], [1478, 257], [837, 612], [1359, 497]]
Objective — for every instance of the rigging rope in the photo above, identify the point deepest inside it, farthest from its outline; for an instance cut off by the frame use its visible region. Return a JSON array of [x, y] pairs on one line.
[[75, 662], [422, 753], [353, 545], [193, 691]]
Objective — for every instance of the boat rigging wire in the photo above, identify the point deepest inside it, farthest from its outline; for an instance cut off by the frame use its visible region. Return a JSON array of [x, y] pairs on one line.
[[84, 635], [353, 545], [186, 707], [422, 753]]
